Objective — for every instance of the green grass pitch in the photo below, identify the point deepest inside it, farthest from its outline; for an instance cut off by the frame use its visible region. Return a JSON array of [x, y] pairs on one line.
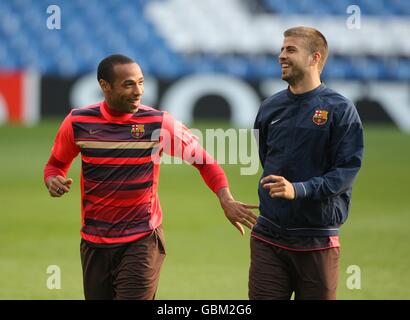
[[206, 256]]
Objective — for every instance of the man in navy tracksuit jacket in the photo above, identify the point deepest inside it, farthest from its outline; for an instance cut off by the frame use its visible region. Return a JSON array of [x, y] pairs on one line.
[[311, 148]]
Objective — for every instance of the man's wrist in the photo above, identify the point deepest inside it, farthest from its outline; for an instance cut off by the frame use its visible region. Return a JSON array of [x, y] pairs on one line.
[[48, 179], [224, 195]]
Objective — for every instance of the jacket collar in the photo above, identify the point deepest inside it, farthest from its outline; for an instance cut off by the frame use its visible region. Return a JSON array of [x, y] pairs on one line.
[[308, 94], [112, 115]]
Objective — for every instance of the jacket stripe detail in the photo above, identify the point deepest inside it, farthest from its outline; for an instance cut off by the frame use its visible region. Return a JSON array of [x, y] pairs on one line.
[[107, 173], [117, 161], [333, 245], [147, 114], [111, 230], [117, 144], [91, 185], [104, 240], [121, 153], [115, 132], [88, 112], [90, 118], [125, 197], [304, 189], [112, 225], [297, 231]]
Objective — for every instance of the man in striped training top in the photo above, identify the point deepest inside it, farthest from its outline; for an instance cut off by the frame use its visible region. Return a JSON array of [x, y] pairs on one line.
[[121, 141]]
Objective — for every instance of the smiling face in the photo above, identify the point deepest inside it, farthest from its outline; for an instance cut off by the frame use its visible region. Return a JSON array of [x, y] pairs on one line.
[[296, 60], [125, 91]]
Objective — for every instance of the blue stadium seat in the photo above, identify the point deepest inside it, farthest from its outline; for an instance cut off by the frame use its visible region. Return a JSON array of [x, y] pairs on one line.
[[93, 29]]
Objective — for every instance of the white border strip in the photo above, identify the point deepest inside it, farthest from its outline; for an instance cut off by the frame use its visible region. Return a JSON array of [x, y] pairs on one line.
[[31, 97]]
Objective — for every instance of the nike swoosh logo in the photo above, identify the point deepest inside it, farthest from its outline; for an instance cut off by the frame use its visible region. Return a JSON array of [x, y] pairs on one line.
[[94, 131], [274, 121]]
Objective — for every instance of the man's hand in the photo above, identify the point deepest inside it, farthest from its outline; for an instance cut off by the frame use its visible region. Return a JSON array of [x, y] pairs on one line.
[[238, 213], [58, 185], [278, 187]]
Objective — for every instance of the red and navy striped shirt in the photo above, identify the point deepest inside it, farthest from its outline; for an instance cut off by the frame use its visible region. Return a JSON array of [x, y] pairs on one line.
[[120, 167]]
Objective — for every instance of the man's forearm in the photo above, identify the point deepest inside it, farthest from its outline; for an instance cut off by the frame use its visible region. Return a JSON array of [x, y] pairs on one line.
[[224, 194], [213, 175]]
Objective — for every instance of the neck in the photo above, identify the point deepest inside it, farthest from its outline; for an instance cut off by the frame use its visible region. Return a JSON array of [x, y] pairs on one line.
[[306, 85], [115, 111], [114, 115], [112, 110]]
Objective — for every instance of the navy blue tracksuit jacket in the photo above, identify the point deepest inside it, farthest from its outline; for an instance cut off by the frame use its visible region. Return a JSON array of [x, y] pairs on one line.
[[315, 141]]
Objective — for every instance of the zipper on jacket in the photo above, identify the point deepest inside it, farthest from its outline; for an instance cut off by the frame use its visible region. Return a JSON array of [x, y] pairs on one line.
[[289, 152]]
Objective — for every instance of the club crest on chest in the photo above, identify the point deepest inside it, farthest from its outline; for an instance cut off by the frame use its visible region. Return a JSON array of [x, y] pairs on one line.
[[320, 117], [137, 130]]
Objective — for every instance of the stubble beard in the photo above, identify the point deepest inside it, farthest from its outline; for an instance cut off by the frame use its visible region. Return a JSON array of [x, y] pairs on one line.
[[294, 77]]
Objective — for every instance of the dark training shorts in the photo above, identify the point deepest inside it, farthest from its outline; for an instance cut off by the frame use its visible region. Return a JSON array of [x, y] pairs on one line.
[[276, 273], [126, 271]]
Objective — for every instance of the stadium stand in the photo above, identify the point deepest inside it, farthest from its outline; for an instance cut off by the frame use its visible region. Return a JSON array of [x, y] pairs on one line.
[[173, 38]]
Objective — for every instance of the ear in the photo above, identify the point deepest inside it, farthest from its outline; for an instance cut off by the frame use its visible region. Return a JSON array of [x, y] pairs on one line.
[[316, 56], [105, 86]]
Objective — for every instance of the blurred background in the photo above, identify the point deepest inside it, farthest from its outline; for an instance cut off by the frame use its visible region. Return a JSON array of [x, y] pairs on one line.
[[210, 63]]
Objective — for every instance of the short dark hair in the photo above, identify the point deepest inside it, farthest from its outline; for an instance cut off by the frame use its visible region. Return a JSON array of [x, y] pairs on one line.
[[106, 66]]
